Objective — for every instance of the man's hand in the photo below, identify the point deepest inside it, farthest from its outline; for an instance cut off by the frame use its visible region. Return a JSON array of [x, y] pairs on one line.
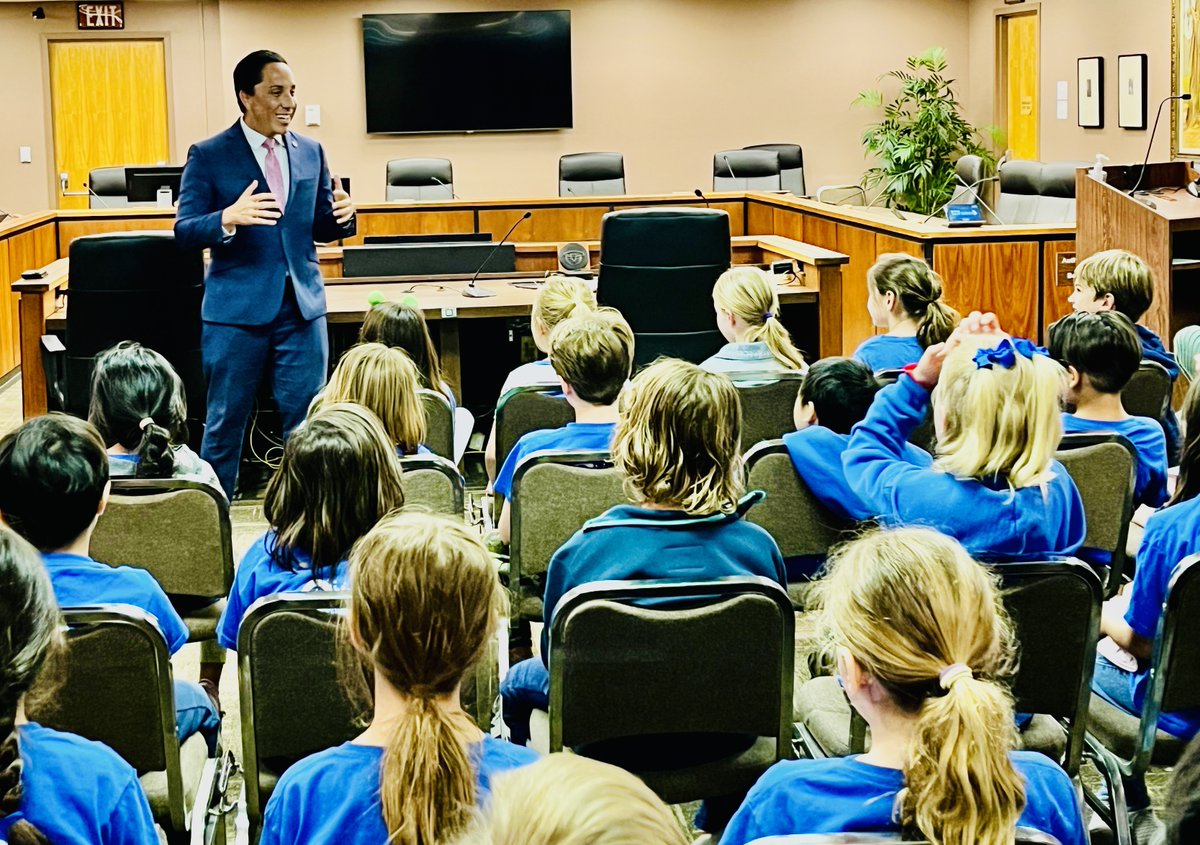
[[251, 209], [343, 206]]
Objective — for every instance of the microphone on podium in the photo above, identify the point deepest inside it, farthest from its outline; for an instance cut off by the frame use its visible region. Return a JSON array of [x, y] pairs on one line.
[[474, 291], [700, 194], [1142, 175], [729, 167], [453, 195]]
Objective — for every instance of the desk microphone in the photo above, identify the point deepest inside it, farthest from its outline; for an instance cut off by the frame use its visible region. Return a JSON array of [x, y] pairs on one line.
[[700, 194], [474, 291], [958, 191], [1150, 146], [729, 167], [103, 201], [453, 195], [882, 193]]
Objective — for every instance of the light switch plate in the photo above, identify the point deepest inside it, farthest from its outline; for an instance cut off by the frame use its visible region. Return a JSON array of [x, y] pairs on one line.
[[26, 155], [312, 115]]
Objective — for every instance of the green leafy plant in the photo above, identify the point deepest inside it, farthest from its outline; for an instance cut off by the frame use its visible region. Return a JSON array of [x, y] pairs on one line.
[[921, 135]]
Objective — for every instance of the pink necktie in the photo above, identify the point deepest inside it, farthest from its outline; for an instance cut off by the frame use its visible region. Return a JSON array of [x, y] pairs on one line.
[[274, 174]]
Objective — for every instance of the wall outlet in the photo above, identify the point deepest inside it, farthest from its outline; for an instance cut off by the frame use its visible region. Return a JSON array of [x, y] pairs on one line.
[[26, 155], [449, 313], [312, 115]]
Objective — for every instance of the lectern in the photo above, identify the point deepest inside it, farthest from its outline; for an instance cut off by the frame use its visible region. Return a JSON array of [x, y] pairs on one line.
[[1162, 226]]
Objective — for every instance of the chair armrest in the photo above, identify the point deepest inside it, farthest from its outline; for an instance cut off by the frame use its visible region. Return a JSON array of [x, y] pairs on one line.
[[54, 362]]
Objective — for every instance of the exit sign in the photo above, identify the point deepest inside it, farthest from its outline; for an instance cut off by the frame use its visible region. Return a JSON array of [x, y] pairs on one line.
[[100, 15]]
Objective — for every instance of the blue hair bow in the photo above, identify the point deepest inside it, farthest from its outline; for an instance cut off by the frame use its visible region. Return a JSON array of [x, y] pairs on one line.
[[1005, 355]]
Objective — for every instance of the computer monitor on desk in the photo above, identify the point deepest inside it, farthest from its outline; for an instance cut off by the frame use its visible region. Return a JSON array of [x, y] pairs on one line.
[[455, 238], [143, 183], [436, 259]]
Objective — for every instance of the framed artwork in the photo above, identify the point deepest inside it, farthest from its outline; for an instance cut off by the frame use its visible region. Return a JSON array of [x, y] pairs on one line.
[[1091, 92], [1185, 77], [1131, 91]]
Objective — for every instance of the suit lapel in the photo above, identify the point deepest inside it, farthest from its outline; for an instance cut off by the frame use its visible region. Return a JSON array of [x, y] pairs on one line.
[[293, 154], [243, 160]]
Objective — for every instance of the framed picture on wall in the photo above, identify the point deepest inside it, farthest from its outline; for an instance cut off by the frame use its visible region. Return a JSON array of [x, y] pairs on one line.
[[1185, 77], [1091, 92], [1131, 91]]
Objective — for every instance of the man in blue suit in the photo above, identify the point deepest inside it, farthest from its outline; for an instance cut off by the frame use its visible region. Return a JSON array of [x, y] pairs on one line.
[[264, 300]]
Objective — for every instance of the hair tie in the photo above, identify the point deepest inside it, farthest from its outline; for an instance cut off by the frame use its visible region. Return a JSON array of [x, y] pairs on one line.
[[767, 316], [954, 673], [145, 422], [1005, 354]]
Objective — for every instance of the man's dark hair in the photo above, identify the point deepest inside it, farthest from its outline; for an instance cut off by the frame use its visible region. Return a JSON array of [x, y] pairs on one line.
[[249, 72], [1103, 346], [53, 470], [840, 390]]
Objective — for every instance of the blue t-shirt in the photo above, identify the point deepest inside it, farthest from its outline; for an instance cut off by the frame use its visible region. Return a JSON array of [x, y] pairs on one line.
[[993, 521], [79, 792], [572, 437], [257, 576], [80, 581], [422, 449], [844, 795], [744, 357], [888, 352], [1146, 435], [1153, 350], [333, 796], [1171, 535]]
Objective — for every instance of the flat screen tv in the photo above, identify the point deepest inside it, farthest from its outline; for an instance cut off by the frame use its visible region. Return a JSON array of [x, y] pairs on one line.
[[468, 71]]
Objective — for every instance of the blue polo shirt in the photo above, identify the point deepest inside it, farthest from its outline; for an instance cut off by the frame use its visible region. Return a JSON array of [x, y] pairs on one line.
[[846, 795], [744, 357], [1146, 435], [1153, 350], [888, 352], [79, 792], [572, 437], [80, 581], [333, 796]]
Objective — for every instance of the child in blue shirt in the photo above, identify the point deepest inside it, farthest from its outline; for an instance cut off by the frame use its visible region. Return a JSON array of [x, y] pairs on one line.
[[1118, 280], [402, 325], [747, 307], [994, 485], [677, 445], [592, 355], [338, 477], [904, 296], [922, 642], [1101, 352], [425, 600], [54, 786], [53, 488]]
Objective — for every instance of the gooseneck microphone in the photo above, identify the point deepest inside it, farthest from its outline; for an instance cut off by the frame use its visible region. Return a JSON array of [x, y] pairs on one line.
[[700, 194], [453, 195], [474, 291], [1150, 146], [958, 192], [729, 167]]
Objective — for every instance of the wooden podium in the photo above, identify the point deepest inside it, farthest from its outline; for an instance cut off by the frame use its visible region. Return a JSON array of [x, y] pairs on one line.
[[1162, 227]]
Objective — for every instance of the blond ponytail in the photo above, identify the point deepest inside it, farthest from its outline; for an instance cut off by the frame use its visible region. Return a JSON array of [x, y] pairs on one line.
[[561, 297], [749, 294]]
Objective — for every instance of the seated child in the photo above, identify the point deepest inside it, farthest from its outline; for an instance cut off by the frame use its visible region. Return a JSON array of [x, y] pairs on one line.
[[425, 601], [677, 445], [748, 316], [383, 380], [404, 327], [1101, 352], [592, 355], [1117, 280], [54, 786], [904, 296], [338, 477], [53, 489], [139, 408], [558, 298], [929, 683], [994, 485]]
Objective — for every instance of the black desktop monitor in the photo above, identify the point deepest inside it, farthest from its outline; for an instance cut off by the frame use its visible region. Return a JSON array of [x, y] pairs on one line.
[[142, 183], [456, 238]]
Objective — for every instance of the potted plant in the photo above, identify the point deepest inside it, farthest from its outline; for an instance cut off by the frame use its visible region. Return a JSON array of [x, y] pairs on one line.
[[921, 136]]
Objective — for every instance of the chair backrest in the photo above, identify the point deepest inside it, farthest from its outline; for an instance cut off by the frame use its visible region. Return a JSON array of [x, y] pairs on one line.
[[1055, 607], [418, 178], [177, 530], [768, 399], [924, 435], [439, 422], [791, 165], [970, 170], [107, 189], [433, 482], [1037, 192], [747, 170], [134, 286], [658, 267], [790, 513], [842, 194], [1097, 463], [604, 637], [1148, 392], [525, 409], [591, 174]]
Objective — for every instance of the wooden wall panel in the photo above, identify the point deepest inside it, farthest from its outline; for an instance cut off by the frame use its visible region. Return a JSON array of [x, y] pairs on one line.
[[888, 243], [69, 230], [546, 224], [999, 277], [860, 245], [820, 232], [790, 224], [413, 223], [1055, 287], [760, 219], [10, 348]]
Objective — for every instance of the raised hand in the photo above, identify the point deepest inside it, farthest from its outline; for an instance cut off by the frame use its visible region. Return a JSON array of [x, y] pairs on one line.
[[343, 206], [251, 209], [929, 368]]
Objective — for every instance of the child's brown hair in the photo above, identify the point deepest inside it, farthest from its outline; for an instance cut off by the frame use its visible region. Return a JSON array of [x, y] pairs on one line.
[[593, 353]]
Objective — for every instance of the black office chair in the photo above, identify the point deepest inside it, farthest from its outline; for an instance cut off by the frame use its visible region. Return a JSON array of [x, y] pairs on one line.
[[420, 179], [591, 174], [128, 286], [747, 170], [658, 267], [791, 163]]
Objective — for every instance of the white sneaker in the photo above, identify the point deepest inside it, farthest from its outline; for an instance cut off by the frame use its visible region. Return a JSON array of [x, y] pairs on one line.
[[1147, 828]]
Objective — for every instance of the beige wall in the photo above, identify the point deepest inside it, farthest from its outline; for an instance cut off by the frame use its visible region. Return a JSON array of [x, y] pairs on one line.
[[1071, 29]]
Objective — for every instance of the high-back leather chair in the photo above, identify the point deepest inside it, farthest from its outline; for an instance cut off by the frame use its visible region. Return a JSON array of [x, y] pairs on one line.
[[591, 174], [658, 267], [746, 170], [1037, 192], [970, 170], [791, 164], [106, 189], [420, 179]]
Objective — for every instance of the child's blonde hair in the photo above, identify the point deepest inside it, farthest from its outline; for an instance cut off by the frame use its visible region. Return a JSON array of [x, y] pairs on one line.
[[999, 421], [677, 439], [384, 380], [565, 799], [1125, 275], [425, 599], [593, 353], [919, 291], [908, 605], [559, 298], [749, 294]]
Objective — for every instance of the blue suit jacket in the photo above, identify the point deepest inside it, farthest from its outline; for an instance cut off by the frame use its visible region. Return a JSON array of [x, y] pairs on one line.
[[244, 283]]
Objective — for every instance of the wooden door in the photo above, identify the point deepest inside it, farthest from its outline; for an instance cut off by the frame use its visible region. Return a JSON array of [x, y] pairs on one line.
[[109, 107], [1018, 75]]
